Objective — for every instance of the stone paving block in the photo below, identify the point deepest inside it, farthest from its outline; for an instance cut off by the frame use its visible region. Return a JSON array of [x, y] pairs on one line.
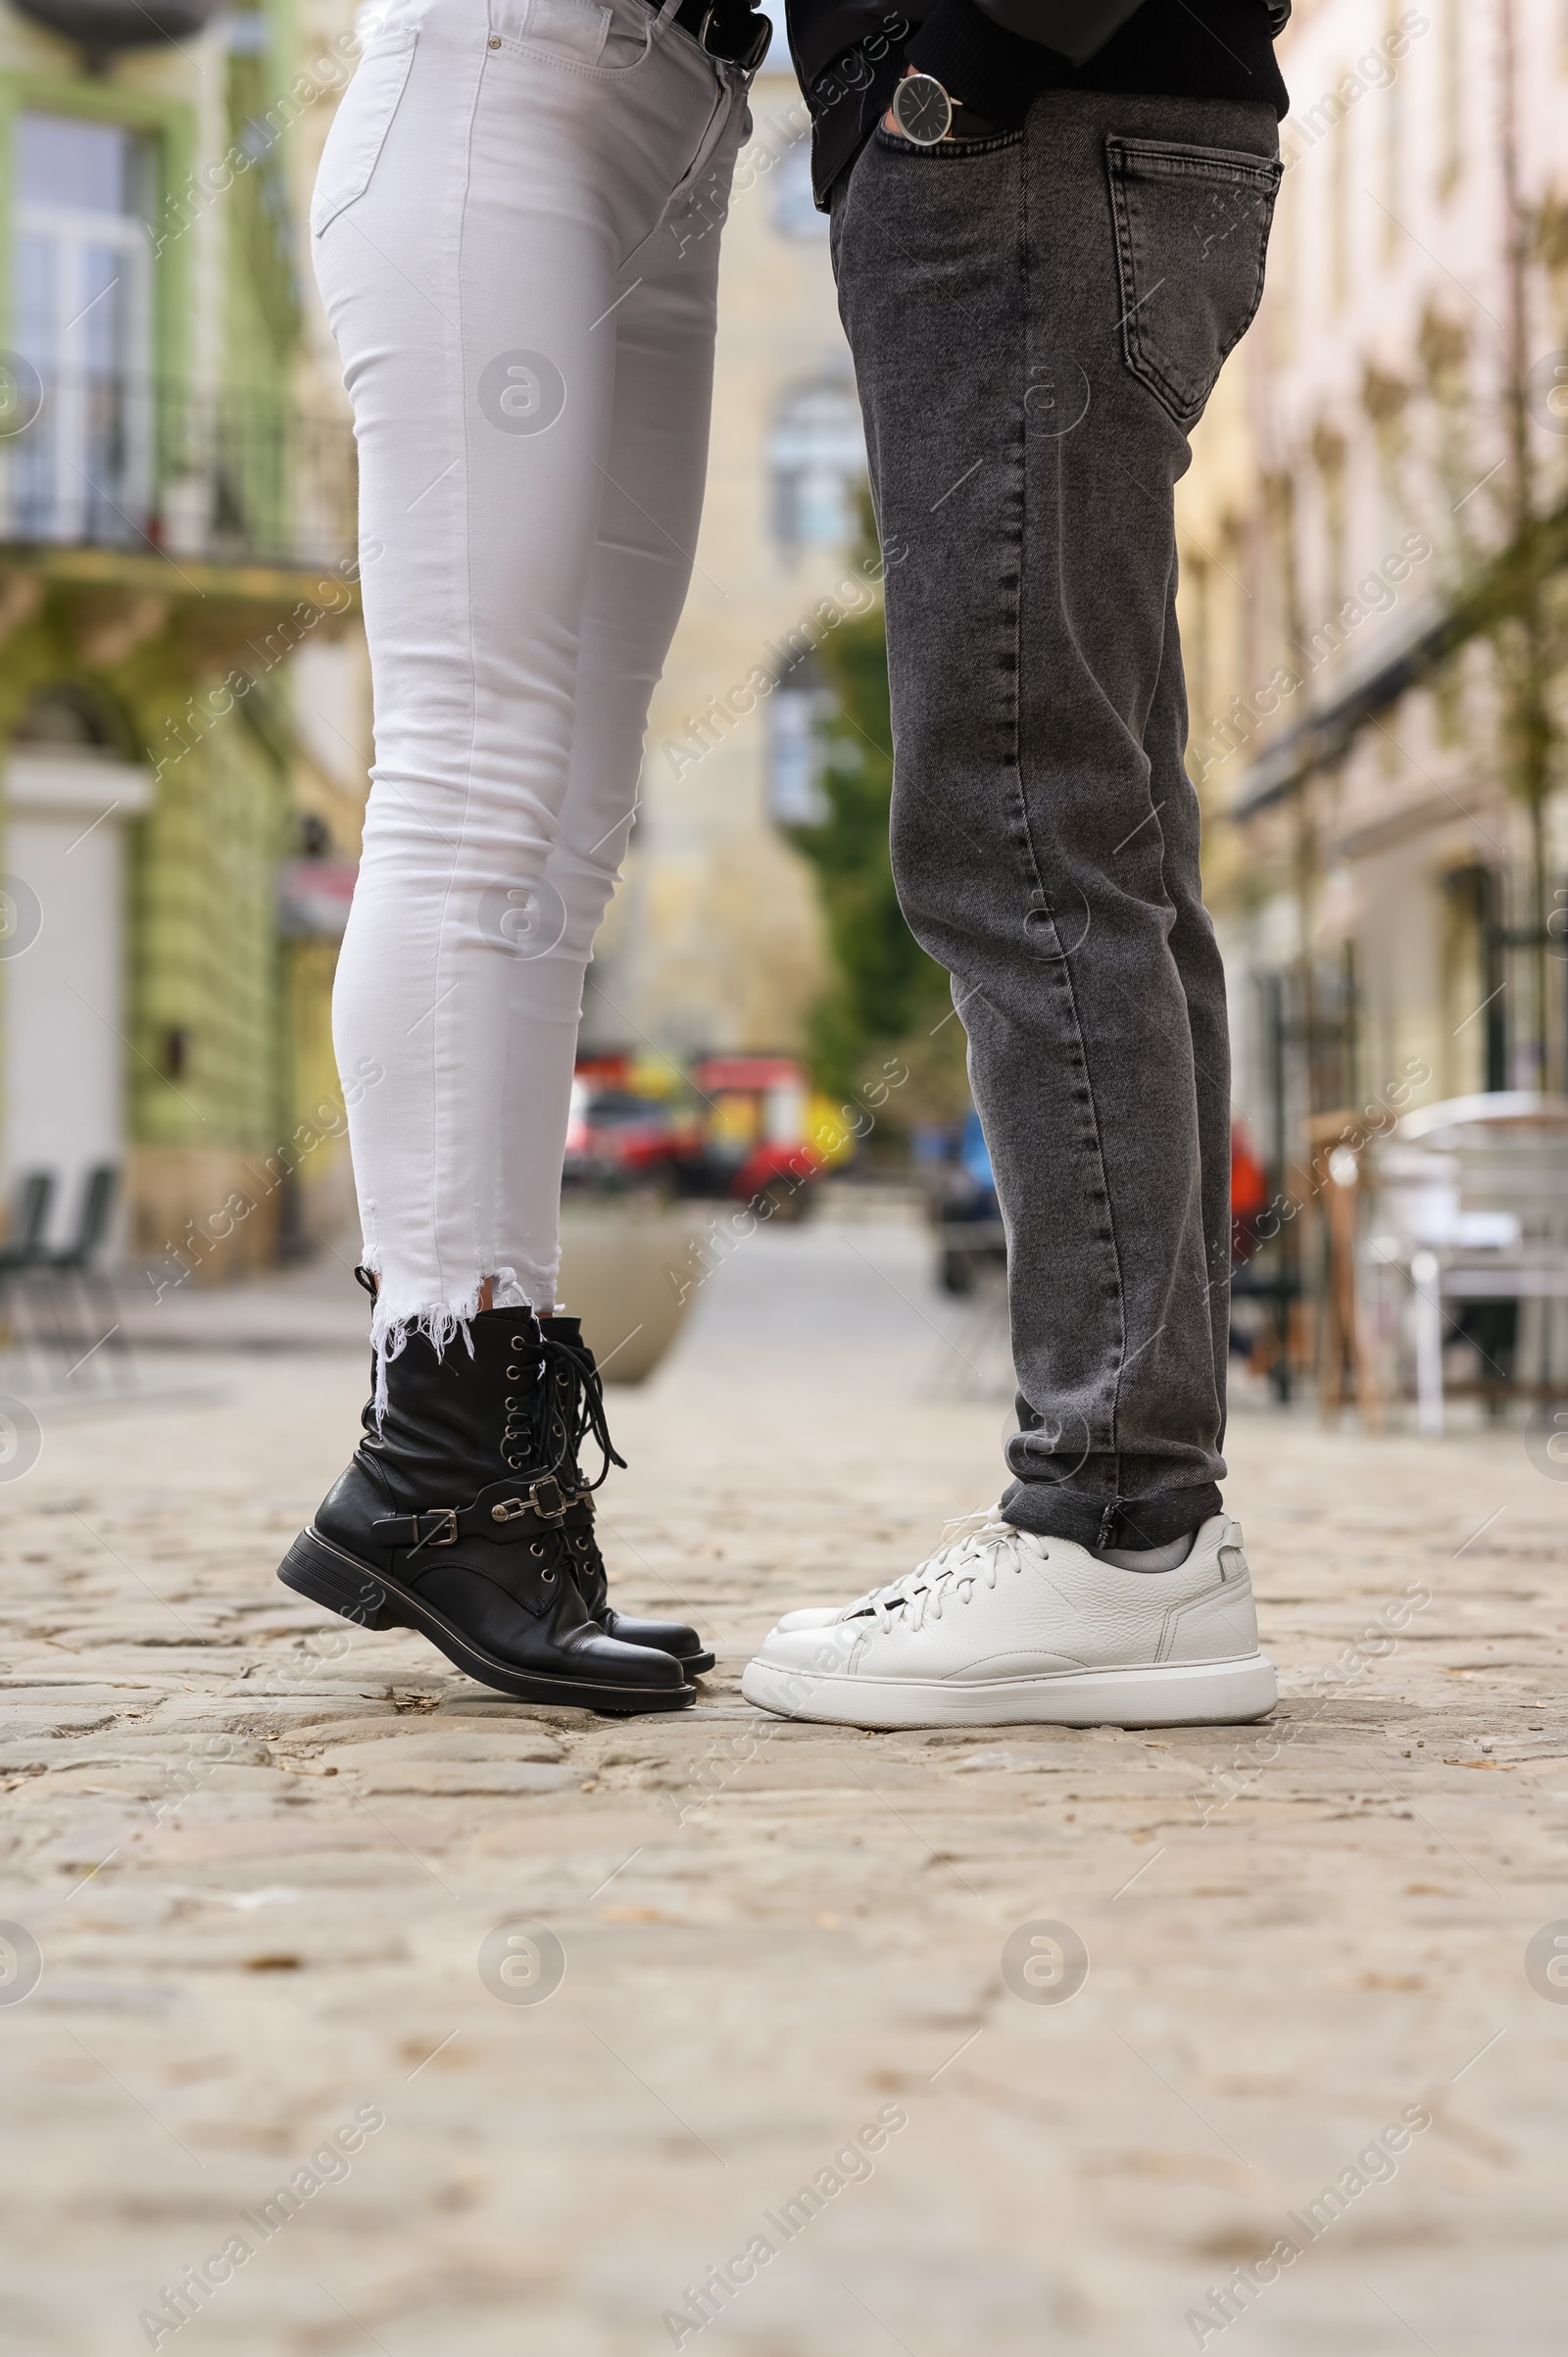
[[451, 1778], [771, 1929], [445, 1741]]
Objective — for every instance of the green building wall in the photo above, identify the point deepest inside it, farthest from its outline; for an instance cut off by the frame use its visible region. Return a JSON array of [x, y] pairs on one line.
[[227, 1022]]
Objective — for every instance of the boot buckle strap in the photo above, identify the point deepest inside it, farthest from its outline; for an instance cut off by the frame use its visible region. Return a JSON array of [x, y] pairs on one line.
[[546, 1499], [446, 1520]]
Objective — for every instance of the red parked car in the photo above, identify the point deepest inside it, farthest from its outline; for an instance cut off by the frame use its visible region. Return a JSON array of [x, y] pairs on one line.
[[756, 1140], [615, 1139]]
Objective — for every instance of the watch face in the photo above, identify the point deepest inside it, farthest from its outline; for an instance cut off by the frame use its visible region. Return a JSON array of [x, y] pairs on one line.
[[922, 109]]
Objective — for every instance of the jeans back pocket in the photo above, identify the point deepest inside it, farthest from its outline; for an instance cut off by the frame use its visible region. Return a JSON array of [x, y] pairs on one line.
[[1191, 238], [360, 128]]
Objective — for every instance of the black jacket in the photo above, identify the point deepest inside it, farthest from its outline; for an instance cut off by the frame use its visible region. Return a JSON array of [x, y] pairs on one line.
[[998, 55]]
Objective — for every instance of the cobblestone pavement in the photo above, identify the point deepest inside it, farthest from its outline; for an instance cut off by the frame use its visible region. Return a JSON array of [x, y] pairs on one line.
[[267, 1860]]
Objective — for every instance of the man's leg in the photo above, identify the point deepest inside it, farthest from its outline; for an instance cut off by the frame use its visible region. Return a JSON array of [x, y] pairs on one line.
[[1034, 323], [1202, 978]]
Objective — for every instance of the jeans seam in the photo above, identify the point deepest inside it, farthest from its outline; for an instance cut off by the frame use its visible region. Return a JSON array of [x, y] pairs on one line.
[[1027, 256], [473, 694]]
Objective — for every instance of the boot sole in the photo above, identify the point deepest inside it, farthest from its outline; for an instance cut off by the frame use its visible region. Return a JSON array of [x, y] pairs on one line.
[[1206, 1694], [313, 1567]]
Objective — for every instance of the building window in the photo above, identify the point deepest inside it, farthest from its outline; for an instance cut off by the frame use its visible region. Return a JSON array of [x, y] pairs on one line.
[[1339, 217], [69, 718], [1450, 104], [1329, 450], [1282, 281], [795, 213], [799, 705], [816, 456], [1393, 144], [83, 308]]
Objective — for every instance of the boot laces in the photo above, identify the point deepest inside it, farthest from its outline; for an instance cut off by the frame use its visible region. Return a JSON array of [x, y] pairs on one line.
[[576, 1414], [983, 1550]]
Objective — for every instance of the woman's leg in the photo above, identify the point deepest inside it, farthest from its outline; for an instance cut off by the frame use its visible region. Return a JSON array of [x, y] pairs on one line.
[[480, 200], [637, 586], [471, 284], [650, 507]]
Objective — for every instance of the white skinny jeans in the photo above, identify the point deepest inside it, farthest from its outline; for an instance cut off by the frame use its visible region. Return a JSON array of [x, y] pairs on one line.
[[527, 342]]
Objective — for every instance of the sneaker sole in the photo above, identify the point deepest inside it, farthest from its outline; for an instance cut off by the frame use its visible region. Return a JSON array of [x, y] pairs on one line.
[[1205, 1693], [313, 1567]]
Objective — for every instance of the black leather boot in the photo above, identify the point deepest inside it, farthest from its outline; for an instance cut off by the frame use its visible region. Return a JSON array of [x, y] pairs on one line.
[[577, 1415], [450, 1519]]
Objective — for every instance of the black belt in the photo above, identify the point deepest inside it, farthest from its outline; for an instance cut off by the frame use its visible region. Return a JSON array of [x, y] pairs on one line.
[[728, 29]]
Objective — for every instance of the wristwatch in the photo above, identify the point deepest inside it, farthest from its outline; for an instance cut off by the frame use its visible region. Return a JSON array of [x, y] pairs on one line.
[[926, 115]]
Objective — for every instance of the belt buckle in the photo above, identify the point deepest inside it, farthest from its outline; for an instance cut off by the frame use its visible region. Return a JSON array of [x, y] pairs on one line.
[[549, 1513], [440, 1514], [511, 1507]]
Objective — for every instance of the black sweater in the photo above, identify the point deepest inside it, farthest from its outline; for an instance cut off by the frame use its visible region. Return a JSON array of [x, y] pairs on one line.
[[850, 53]]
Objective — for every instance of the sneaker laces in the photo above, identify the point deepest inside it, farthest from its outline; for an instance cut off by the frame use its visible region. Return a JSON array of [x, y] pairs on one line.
[[903, 1589], [981, 1551]]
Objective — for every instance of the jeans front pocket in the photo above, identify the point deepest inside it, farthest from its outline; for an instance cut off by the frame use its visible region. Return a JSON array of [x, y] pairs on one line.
[[948, 151], [360, 128], [582, 35], [573, 29], [1191, 238]]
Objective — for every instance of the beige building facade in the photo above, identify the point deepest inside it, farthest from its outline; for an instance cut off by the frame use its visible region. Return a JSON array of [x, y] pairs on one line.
[[1372, 549], [714, 942]]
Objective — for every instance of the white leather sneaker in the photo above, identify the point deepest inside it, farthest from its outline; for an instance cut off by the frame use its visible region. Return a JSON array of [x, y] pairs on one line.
[[1004, 1627]]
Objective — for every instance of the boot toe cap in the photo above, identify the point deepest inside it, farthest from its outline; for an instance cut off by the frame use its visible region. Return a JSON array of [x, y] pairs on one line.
[[612, 1658], [661, 1636]]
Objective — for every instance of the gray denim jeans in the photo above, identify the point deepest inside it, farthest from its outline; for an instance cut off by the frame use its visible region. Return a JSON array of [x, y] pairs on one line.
[[1037, 322]]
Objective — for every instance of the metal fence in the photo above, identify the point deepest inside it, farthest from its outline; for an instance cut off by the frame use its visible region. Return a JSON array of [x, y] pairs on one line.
[[136, 462]]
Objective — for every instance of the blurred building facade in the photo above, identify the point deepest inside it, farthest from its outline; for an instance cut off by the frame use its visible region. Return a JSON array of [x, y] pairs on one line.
[[1373, 537], [184, 703], [184, 695], [714, 942]]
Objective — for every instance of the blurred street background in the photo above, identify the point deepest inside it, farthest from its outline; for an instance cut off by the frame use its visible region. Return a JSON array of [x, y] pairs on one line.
[[1373, 541], [782, 1234]]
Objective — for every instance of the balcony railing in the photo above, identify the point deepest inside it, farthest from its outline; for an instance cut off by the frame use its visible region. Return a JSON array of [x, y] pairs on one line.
[[135, 463], [102, 27]]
